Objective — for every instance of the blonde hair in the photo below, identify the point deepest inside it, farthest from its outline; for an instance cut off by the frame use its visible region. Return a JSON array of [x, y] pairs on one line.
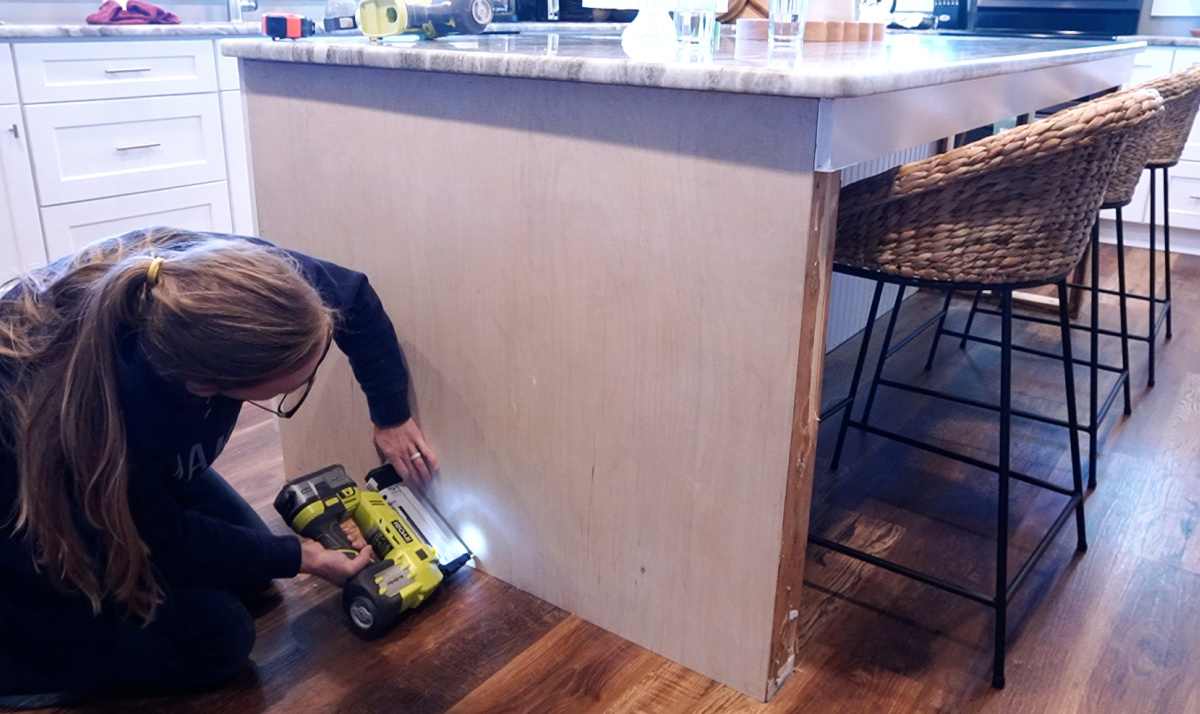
[[220, 311]]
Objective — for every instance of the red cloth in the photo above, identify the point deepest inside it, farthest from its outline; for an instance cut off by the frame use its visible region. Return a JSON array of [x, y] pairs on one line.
[[135, 12]]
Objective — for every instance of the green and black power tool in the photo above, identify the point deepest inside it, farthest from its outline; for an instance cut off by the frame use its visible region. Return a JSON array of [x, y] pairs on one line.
[[410, 567]]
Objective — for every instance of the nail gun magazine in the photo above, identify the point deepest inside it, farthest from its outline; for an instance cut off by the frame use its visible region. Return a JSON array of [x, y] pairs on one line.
[[415, 546]]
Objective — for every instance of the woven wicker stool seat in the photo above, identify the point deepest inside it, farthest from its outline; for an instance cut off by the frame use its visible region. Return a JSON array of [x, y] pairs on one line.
[[1012, 210]]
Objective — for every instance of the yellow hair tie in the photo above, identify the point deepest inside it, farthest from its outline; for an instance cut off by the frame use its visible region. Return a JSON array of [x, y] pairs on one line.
[[152, 272]]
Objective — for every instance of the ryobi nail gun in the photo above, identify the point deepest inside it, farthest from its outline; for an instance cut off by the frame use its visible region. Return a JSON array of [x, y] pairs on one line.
[[400, 526]]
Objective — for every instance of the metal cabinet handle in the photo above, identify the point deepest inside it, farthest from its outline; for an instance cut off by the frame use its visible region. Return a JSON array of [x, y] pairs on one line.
[[122, 70], [15, 131], [131, 147]]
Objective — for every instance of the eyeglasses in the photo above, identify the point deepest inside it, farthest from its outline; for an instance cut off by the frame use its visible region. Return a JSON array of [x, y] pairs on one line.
[[288, 404]]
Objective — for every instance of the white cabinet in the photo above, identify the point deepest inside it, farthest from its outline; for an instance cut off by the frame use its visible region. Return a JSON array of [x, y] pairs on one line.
[[1150, 63], [20, 230], [130, 133], [8, 77], [1184, 189]]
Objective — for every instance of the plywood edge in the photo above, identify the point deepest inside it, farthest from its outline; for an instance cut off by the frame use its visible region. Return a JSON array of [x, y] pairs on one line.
[[798, 494]]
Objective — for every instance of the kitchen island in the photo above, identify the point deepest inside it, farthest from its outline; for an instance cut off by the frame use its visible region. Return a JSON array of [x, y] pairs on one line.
[[609, 267]]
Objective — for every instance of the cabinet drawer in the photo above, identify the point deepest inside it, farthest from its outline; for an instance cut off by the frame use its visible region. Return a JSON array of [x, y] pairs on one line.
[[8, 78], [70, 227], [72, 71], [85, 150]]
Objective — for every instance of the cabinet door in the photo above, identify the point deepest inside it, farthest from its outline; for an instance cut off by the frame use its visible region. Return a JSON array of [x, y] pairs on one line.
[[8, 78], [237, 160], [1150, 63], [21, 244], [86, 150], [71, 226], [1185, 195], [1184, 59]]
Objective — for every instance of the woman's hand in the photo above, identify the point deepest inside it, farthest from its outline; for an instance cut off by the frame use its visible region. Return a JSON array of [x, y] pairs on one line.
[[405, 448], [331, 565]]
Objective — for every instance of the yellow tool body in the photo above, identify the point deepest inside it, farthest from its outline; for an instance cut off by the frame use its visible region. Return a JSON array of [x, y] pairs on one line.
[[407, 572], [430, 18]]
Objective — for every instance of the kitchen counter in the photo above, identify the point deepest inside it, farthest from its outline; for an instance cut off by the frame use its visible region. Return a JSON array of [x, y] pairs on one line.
[[55, 32], [609, 268], [825, 69]]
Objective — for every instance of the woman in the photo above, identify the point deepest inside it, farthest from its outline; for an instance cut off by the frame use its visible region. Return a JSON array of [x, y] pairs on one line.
[[123, 556]]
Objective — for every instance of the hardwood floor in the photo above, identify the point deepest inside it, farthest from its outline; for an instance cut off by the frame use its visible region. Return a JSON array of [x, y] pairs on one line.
[[1112, 630]]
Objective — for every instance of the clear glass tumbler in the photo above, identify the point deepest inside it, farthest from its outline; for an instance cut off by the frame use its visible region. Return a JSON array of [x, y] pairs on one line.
[[696, 22], [786, 21]]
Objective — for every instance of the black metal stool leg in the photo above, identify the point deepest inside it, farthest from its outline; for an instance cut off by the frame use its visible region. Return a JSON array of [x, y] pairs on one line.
[[858, 368], [1064, 316], [1001, 600], [937, 336], [1166, 193], [1123, 308], [962, 344], [1094, 360], [1153, 282], [883, 354]]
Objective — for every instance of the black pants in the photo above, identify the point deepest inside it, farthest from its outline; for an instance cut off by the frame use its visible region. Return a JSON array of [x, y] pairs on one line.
[[200, 635]]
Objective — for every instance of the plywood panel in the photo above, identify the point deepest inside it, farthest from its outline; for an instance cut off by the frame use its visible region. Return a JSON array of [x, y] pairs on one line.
[[603, 352]]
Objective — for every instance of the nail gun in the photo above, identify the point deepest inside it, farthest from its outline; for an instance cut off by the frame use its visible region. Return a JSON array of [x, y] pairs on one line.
[[399, 525]]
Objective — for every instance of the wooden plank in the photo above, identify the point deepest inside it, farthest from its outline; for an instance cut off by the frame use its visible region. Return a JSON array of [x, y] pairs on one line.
[[805, 421], [602, 668]]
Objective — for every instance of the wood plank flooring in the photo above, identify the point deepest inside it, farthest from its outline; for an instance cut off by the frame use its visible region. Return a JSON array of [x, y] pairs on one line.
[[1112, 630]]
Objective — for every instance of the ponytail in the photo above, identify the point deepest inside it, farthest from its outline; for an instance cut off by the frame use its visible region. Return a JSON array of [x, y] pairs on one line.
[[222, 312]]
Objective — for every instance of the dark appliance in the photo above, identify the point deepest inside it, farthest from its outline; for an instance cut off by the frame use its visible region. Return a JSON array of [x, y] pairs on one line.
[[1080, 17], [951, 14]]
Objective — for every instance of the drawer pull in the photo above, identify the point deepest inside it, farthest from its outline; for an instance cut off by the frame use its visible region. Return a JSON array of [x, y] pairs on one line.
[[15, 131], [123, 70], [131, 147]]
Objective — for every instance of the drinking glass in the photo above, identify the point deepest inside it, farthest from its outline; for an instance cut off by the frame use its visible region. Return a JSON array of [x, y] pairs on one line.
[[786, 21], [696, 22]]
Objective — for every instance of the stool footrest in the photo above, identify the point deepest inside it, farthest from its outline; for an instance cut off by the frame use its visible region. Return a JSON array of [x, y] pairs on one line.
[[956, 456], [1011, 587]]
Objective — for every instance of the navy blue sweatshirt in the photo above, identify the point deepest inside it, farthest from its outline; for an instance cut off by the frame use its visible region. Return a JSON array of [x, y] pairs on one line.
[[173, 435]]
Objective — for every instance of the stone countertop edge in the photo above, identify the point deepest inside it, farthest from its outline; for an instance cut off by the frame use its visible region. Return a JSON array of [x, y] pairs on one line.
[[82, 31], [1163, 40], [811, 80]]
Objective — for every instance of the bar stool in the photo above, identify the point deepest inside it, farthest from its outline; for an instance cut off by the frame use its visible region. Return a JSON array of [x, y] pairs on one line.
[[1181, 93], [1006, 212], [1121, 187]]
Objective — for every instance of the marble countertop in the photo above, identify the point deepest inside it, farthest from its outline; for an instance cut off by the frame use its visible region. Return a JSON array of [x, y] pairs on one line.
[[203, 29], [1164, 40], [597, 55]]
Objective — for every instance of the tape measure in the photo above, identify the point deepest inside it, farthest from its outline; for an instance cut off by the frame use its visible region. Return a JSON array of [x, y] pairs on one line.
[[281, 26]]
